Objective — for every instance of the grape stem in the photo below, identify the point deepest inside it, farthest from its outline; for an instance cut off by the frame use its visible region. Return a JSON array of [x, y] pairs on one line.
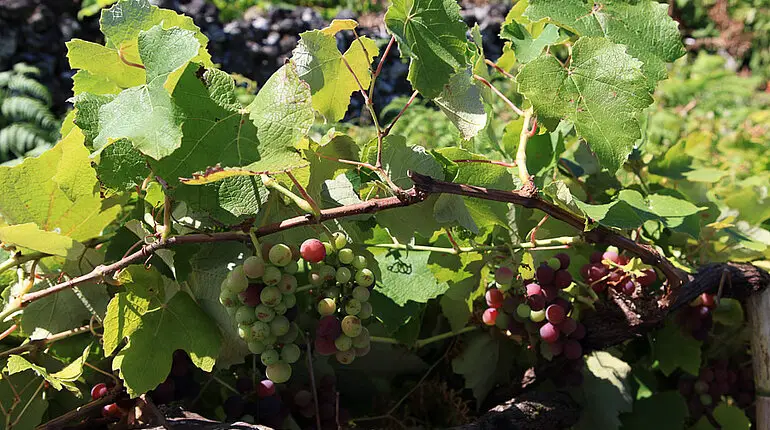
[[499, 69], [393, 123], [312, 380], [543, 244], [521, 152], [499, 93], [301, 203], [428, 340], [313, 205]]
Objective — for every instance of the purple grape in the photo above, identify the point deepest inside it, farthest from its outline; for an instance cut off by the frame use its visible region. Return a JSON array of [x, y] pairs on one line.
[[573, 350], [563, 259], [537, 302], [555, 314], [562, 279], [549, 333], [544, 274], [250, 296]]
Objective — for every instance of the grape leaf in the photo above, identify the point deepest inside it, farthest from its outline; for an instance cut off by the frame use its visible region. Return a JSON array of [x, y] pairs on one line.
[[323, 164], [31, 237], [339, 192], [100, 69], [451, 209], [644, 26], [63, 378], [461, 102], [393, 316], [484, 362], [632, 209], [323, 67], [527, 46], [662, 411], [58, 191], [227, 201], [602, 92], [404, 278], [24, 384], [730, 417], [431, 34], [121, 167], [673, 350], [607, 391]]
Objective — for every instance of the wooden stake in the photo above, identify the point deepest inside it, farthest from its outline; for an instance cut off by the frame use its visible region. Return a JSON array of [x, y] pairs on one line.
[[757, 307]]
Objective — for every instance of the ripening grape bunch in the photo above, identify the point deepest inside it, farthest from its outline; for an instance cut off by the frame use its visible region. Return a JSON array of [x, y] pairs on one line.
[[342, 284], [259, 295], [302, 407], [696, 319], [540, 311], [730, 380], [606, 270]]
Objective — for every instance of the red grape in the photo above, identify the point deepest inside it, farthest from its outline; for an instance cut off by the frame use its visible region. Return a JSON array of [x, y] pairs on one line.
[[556, 348], [490, 316], [584, 271], [250, 296], [563, 259], [550, 293], [648, 278], [597, 272], [325, 346], [579, 333], [494, 298], [555, 314], [708, 300], [111, 411], [629, 287], [562, 279], [503, 275], [98, 391], [544, 274], [596, 257], [265, 388], [568, 326], [536, 302], [329, 326], [573, 350], [313, 250], [533, 289], [611, 256], [549, 333]]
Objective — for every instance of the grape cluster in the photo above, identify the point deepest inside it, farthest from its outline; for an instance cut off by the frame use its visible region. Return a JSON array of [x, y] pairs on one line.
[[111, 410], [606, 270], [722, 378], [343, 284], [180, 383], [303, 408], [697, 319], [256, 403], [538, 311], [260, 297]]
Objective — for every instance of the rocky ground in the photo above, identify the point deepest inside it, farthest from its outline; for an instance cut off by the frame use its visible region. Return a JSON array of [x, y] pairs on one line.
[[35, 31]]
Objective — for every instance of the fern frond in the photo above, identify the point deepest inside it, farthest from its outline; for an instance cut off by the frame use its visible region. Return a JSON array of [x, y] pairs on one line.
[[26, 69], [18, 139], [23, 85], [27, 109]]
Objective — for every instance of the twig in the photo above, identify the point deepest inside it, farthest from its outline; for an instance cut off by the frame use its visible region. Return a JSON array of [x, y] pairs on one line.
[[532, 239], [428, 340], [500, 94], [379, 170], [166, 218], [521, 152], [9, 331], [382, 60], [498, 68], [34, 344], [401, 112], [316, 209], [539, 244], [127, 62], [497, 163], [365, 95], [312, 380], [83, 411]]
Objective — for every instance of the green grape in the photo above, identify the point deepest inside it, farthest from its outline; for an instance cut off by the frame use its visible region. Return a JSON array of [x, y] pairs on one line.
[[264, 313], [359, 262], [254, 267], [353, 307], [537, 316], [291, 335], [272, 276], [280, 325], [340, 239], [231, 311], [280, 308], [328, 248], [346, 357], [502, 320], [315, 278], [328, 273], [270, 296], [270, 356], [327, 306], [346, 256], [236, 281], [366, 310], [360, 352], [361, 293], [244, 332], [523, 310], [245, 315], [280, 255], [351, 326], [256, 347], [364, 277], [291, 268], [289, 300], [290, 353], [363, 339], [343, 275], [228, 299], [288, 283], [260, 331], [279, 372], [270, 340], [343, 342]]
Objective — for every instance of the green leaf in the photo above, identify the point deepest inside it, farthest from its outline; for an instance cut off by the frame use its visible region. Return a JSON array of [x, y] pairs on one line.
[[731, 417], [431, 34], [31, 237], [146, 114], [26, 385], [339, 192], [100, 69], [631, 210], [484, 362], [461, 102], [178, 324], [673, 349], [644, 26], [121, 167], [606, 390], [322, 66], [729, 312], [58, 191], [602, 92], [457, 302], [227, 201], [392, 315], [403, 278], [675, 163], [525, 45], [451, 209], [662, 411], [64, 378]]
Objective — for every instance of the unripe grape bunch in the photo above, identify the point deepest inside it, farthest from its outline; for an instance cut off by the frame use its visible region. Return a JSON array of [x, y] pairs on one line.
[[607, 270], [342, 284], [259, 295]]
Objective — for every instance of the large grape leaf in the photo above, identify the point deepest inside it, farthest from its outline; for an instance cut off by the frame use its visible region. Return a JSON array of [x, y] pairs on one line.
[[484, 362], [431, 34], [25, 386], [461, 102], [406, 277], [31, 237], [57, 191], [644, 26], [606, 390], [225, 202], [602, 92], [322, 66], [100, 69], [527, 39], [673, 349], [631, 210], [662, 411]]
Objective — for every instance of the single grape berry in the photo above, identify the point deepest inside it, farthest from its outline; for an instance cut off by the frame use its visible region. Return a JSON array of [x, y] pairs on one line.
[[111, 411], [359, 262], [343, 343], [280, 255], [340, 240], [549, 333], [328, 273], [291, 335], [256, 347], [351, 326], [272, 276], [287, 284], [279, 372], [523, 310], [611, 256], [537, 316], [562, 279], [259, 331], [269, 357], [494, 298], [327, 306], [265, 388], [290, 353], [572, 350], [236, 280], [490, 316], [555, 314], [346, 255], [553, 263], [343, 275], [568, 326], [280, 325], [362, 340], [254, 267], [329, 326], [364, 277], [228, 299], [98, 391], [533, 290], [366, 310], [280, 308], [649, 276], [544, 274], [360, 352], [325, 345], [289, 300], [312, 251], [361, 294], [504, 275], [245, 315], [536, 302], [352, 307], [270, 296], [346, 357], [563, 259]]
